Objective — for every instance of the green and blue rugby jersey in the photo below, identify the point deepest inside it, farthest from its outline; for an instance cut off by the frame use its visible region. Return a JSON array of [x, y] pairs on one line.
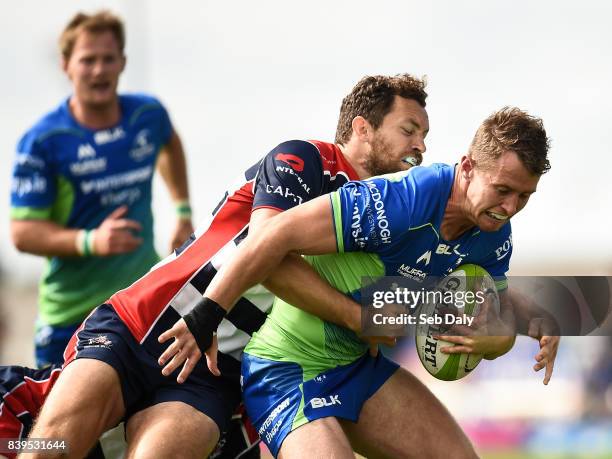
[[75, 176], [385, 226]]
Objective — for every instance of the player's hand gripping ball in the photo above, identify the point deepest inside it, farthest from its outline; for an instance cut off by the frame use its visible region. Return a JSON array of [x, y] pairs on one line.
[[457, 297]]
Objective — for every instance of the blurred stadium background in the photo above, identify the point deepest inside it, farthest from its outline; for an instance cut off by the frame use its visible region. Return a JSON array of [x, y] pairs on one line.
[[240, 77]]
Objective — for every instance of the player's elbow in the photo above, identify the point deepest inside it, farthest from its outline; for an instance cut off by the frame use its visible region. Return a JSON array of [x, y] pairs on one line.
[[20, 236]]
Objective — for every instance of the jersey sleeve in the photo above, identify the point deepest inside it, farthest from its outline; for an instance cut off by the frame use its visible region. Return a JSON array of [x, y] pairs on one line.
[[497, 261], [371, 215], [33, 187], [165, 128], [153, 111], [291, 174]]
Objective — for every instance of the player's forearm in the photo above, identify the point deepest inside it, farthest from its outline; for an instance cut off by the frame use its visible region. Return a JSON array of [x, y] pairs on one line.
[[296, 282], [172, 166], [42, 237], [306, 229], [525, 310], [250, 265]]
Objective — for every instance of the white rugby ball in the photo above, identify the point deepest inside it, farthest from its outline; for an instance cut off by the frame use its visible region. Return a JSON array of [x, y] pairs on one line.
[[466, 278]]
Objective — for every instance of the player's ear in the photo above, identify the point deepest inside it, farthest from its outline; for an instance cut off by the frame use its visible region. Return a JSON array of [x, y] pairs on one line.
[[124, 61], [64, 64], [466, 166], [361, 128]]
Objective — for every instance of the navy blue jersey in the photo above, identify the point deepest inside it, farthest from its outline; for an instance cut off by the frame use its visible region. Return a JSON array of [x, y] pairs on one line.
[[298, 171]]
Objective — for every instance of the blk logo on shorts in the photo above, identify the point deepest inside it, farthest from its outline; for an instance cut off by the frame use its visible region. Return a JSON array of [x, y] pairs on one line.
[[323, 401]]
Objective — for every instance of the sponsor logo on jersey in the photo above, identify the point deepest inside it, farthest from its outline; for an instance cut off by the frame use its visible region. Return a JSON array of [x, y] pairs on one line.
[[90, 166], [356, 229], [330, 162], [109, 135], [504, 250], [425, 258], [113, 182], [289, 170], [142, 147], [128, 196], [295, 162], [86, 151], [412, 273], [27, 185], [27, 160], [284, 192], [445, 249], [380, 214], [325, 401]]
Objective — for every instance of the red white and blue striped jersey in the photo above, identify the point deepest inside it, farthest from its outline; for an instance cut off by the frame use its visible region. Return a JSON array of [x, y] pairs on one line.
[[292, 173]]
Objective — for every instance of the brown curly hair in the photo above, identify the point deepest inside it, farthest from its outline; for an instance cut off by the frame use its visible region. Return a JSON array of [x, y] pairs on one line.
[[102, 21], [512, 129], [373, 98]]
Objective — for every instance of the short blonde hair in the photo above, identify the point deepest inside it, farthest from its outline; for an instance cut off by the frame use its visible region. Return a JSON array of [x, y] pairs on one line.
[[102, 21], [512, 129]]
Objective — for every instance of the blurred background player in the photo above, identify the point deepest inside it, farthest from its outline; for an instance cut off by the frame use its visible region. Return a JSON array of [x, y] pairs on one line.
[[81, 193]]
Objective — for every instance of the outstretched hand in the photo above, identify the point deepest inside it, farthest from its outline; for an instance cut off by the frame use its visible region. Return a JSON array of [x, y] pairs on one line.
[[184, 350], [544, 332]]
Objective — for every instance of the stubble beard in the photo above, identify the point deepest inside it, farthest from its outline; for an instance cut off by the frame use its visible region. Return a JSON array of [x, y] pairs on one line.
[[378, 161]]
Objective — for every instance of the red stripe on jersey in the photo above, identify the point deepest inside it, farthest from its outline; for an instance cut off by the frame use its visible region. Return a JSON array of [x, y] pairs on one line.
[[333, 160], [140, 305], [39, 389], [71, 348], [27, 397]]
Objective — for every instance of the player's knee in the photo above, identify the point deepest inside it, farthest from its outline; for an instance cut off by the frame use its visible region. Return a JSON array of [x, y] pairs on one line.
[[210, 435], [164, 429]]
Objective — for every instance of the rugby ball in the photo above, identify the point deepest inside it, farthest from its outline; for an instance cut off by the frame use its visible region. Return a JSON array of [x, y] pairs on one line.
[[452, 303]]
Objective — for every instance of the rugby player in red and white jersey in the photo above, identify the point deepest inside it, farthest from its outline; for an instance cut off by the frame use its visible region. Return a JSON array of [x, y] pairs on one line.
[[111, 371]]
